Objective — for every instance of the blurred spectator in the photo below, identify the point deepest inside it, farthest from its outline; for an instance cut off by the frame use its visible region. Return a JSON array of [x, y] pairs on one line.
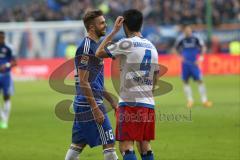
[[215, 45], [162, 11], [156, 12], [234, 48], [224, 47], [70, 50]]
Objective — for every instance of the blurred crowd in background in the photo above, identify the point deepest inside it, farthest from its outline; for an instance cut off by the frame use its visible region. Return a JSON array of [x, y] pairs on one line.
[[162, 12], [160, 17]]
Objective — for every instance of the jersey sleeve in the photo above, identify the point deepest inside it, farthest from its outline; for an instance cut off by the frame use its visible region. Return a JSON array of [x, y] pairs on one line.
[[10, 54], [201, 41], [178, 41], [122, 47], [82, 56]]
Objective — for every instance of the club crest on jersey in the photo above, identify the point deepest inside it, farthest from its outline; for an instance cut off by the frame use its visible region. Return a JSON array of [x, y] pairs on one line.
[[84, 60]]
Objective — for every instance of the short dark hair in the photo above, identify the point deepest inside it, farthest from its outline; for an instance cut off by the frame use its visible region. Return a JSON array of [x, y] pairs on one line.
[[90, 16], [133, 19]]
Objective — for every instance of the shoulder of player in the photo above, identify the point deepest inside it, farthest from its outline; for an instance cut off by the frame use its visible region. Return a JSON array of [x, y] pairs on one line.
[[122, 43], [143, 42], [180, 37], [148, 41], [6, 48], [122, 40], [195, 36], [86, 42], [85, 46]]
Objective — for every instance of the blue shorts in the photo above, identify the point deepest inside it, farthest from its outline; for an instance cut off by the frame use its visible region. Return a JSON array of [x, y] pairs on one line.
[[6, 84], [86, 131], [191, 71]]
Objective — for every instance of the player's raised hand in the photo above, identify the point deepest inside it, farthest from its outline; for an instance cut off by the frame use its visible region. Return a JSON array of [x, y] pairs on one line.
[[98, 115], [118, 24]]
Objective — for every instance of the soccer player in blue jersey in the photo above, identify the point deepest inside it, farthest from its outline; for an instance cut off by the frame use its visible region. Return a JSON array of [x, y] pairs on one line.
[[91, 125], [7, 61], [191, 49]]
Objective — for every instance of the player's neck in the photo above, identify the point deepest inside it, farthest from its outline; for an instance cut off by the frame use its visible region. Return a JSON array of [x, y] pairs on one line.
[[93, 37], [188, 35], [133, 34]]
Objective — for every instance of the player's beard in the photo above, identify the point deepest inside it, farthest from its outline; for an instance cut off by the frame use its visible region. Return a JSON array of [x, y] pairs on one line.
[[100, 32]]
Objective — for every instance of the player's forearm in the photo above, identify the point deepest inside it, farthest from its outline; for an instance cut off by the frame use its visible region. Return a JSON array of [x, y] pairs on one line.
[[87, 92], [155, 79], [101, 49], [175, 51], [107, 96], [203, 50], [9, 64], [13, 63]]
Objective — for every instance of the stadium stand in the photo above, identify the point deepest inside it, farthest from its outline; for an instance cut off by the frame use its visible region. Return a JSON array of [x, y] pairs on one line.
[[161, 11], [161, 17]]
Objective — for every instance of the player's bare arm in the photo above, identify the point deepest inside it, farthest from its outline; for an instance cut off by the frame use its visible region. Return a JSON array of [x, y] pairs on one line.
[[155, 79], [13, 63], [117, 26], [85, 86], [110, 99], [201, 57]]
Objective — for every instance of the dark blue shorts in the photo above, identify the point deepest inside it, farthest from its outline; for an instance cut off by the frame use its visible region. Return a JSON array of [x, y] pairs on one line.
[[86, 131], [6, 84], [191, 71]]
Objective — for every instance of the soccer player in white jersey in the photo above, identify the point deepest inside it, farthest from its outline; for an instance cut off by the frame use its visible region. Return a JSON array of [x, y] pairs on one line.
[[138, 75]]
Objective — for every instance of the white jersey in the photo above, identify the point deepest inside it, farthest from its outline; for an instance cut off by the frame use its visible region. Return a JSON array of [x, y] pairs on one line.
[[138, 62]]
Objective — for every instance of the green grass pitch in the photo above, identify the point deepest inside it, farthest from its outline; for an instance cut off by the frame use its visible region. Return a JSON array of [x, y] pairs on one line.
[[35, 133]]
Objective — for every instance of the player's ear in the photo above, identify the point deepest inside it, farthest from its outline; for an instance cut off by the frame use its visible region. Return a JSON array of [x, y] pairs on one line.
[[91, 27], [125, 29]]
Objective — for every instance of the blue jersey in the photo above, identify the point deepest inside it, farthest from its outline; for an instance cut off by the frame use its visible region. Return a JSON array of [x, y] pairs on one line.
[[189, 48], [5, 57], [85, 130], [85, 60]]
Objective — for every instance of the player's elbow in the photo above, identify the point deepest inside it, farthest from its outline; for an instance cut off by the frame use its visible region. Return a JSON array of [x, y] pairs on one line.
[[13, 63], [98, 54], [101, 53]]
